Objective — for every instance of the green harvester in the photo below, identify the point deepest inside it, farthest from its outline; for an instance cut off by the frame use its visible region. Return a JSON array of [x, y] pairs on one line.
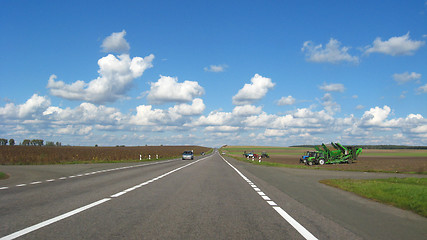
[[340, 154]]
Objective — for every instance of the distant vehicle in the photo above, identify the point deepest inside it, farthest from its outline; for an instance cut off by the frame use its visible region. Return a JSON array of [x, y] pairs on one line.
[[250, 154], [187, 155], [265, 155], [203, 153], [254, 155]]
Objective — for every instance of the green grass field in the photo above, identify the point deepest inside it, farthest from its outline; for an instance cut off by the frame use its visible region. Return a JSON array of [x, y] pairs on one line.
[[405, 193]]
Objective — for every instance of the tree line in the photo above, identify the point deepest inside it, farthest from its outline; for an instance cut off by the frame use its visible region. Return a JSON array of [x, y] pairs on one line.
[[28, 142]]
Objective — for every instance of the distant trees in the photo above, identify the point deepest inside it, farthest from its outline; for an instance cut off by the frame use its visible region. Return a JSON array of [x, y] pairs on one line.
[[28, 142], [37, 142], [53, 144]]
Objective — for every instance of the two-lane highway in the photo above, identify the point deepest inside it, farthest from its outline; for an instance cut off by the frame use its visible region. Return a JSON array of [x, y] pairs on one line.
[[208, 198]]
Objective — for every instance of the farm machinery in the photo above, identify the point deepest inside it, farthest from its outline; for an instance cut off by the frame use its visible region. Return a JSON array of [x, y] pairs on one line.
[[254, 155], [325, 155], [306, 155]]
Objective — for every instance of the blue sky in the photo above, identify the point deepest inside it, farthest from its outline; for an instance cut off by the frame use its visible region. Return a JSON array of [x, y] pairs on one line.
[[273, 73]]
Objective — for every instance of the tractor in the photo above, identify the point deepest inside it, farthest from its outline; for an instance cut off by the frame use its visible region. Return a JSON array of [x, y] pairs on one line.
[[306, 155]]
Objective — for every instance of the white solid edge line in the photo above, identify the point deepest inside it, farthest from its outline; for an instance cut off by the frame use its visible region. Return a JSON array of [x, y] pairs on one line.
[[301, 229], [304, 232], [118, 194], [53, 220]]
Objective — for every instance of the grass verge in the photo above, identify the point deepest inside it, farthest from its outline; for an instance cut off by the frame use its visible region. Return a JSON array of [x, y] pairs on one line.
[[3, 176], [406, 193]]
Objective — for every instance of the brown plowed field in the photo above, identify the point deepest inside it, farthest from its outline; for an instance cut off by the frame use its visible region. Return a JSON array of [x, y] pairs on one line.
[[367, 163], [369, 160], [54, 155]]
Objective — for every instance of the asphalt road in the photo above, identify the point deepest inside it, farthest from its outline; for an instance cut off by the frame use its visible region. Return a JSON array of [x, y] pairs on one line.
[[210, 197]]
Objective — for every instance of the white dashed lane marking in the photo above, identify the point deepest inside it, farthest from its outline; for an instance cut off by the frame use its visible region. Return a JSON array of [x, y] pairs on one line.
[[301, 229], [85, 174]]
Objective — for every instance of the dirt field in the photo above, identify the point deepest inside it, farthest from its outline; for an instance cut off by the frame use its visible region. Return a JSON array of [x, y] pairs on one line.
[[370, 160], [53, 155]]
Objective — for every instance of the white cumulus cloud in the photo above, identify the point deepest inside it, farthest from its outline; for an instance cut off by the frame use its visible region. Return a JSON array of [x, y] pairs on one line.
[[289, 100], [177, 115], [115, 79], [168, 89], [405, 77], [247, 110], [85, 113], [422, 89], [376, 116], [331, 53], [214, 118], [253, 92], [216, 68], [75, 130], [30, 109], [146, 115], [196, 108], [333, 87], [328, 103], [360, 107], [394, 46], [116, 43], [222, 128]]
